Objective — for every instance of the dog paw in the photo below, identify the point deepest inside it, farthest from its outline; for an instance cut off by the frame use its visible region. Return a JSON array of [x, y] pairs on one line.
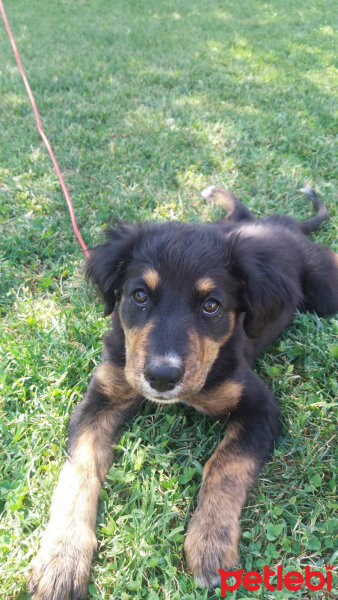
[[60, 571], [210, 546]]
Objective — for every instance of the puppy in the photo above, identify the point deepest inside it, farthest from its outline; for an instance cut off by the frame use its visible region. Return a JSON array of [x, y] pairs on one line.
[[194, 305]]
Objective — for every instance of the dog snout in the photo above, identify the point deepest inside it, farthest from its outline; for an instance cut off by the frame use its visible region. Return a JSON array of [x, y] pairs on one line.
[[163, 377]]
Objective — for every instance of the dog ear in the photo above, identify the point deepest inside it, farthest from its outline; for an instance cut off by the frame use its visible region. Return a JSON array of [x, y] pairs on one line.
[[106, 263], [268, 285]]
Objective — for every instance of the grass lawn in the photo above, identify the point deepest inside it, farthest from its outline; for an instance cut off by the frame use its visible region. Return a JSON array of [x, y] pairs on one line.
[[146, 103]]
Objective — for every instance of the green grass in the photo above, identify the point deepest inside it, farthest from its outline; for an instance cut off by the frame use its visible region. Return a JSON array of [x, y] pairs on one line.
[[145, 104]]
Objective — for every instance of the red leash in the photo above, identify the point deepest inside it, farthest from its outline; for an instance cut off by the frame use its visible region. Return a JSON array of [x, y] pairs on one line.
[[41, 132]]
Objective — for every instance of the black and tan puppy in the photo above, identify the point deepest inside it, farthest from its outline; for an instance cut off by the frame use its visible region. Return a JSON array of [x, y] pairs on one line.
[[194, 306]]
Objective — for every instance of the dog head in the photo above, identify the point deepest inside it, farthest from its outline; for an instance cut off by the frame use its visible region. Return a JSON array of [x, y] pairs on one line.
[[179, 289]]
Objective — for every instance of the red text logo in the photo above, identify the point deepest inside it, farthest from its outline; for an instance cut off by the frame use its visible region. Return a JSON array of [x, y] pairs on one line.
[[292, 580]]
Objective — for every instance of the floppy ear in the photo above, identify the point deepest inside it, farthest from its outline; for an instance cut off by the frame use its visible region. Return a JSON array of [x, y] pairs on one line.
[[267, 286], [107, 262]]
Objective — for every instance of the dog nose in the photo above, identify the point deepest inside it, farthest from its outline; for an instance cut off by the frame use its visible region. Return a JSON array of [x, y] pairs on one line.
[[163, 377]]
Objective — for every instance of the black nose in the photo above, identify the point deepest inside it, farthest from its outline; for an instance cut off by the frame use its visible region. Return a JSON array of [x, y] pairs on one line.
[[163, 377]]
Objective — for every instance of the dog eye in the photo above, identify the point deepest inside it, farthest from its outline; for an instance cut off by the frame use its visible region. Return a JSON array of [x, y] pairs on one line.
[[211, 306], [140, 297]]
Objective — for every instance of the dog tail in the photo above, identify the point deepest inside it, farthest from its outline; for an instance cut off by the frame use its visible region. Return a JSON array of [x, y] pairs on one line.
[[236, 211], [321, 216]]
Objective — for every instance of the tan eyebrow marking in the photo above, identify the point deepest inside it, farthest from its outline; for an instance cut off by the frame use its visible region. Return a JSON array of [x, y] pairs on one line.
[[151, 278], [205, 285]]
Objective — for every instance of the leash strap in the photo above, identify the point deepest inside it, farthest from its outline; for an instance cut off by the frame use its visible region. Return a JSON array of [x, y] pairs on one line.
[[41, 132]]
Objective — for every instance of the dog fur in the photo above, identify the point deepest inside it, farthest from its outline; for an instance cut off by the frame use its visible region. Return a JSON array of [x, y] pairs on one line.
[[194, 304]]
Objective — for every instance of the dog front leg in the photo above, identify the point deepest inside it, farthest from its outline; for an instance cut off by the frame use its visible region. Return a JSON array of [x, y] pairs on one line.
[[213, 533], [61, 568]]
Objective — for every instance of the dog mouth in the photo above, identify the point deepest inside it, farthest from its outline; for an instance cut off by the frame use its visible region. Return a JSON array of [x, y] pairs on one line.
[[165, 379], [162, 401], [180, 392], [166, 397]]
